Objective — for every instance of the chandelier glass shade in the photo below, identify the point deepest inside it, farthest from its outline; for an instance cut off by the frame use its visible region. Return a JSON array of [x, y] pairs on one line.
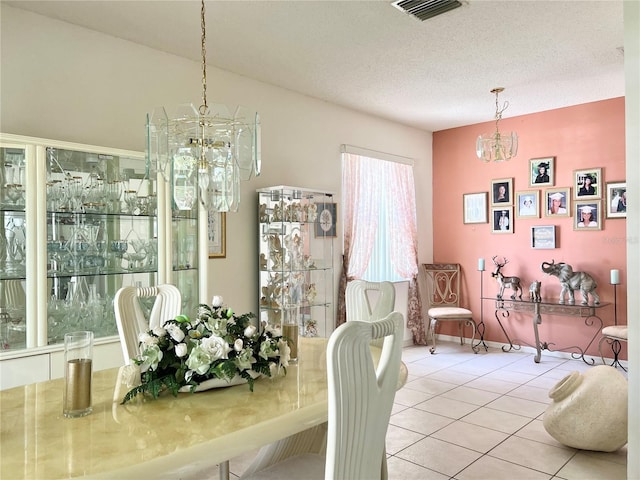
[[497, 147], [204, 153]]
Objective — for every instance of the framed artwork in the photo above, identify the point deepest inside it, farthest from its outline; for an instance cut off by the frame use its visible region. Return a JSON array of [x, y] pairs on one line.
[[617, 200], [587, 183], [502, 220], [556, 202], [217, 233], [543, 236], [474, 207], [588, 215], [502, 192], [326, 219], [541, 172], [528, 204]]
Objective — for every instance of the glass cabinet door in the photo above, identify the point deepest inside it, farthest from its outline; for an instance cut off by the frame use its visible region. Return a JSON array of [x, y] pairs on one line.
[[101, 216], [13, 248]]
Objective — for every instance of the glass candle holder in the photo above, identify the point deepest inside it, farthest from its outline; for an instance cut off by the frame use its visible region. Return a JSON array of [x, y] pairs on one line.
[[78, 360]]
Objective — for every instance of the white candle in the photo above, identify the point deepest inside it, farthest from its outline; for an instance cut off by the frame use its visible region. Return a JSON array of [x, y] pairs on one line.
[[615, 277], [481, 264]]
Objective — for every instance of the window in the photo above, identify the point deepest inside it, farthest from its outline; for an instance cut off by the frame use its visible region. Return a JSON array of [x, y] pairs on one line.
[[379, 218]]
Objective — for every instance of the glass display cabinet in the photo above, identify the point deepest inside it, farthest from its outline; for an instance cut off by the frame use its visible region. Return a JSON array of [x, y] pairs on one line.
[[80, 222], [297, 227]]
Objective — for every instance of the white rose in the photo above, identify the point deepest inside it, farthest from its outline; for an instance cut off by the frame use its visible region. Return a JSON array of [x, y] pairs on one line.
[[250, 331], [238, 344], [199, 361], [151, 358], [181, 350], [175, 332], [147, 340], [216, 301], [216, 347], [159, 331]]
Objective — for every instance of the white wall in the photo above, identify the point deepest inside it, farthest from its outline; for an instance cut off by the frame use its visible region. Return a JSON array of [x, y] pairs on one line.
[[64, 82]]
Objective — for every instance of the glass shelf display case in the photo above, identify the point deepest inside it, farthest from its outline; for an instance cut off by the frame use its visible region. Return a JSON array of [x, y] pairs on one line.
[[297, 227], [80, 222]]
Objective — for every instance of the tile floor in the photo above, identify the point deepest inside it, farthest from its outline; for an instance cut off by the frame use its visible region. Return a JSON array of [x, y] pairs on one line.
[[463, 416]]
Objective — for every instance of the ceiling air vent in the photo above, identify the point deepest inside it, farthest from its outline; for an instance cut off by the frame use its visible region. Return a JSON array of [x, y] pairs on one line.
[[424, 9]]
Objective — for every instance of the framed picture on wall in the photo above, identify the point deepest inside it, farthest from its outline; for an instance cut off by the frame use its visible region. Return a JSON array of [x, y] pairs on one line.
[[474, 207], [543, 236], [502, 220], [617, 200], [326, 220], [541, 172], [217, 233], [587, 183], [528, 204], [556, 202], [501, 192], [588, 215]]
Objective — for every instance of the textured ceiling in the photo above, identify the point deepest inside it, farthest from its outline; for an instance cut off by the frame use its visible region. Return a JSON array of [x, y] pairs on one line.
[[369, 56]]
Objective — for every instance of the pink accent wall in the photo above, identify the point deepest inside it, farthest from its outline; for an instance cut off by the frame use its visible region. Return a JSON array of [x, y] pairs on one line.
[[581, 137]]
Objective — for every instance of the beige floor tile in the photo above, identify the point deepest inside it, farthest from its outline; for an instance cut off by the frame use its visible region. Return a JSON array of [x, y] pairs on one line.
[[518, 406], [400, 469], [408, 397], [496, 420], [535, 455], [544, 382], [529, 392], [495, 469], [429, 386], [535, 431], [492, 385], [509, 376], [400, 438], [440, 456], [447, 407], [397, 408], [451, 376], [471, 395], [619, 456], [419, 421], [473, 437], [583, 466]]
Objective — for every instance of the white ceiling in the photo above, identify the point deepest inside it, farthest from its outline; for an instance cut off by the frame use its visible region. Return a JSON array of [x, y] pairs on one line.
[[369, 56]]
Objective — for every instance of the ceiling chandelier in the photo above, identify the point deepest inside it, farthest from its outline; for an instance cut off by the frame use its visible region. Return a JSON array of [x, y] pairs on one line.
[[204, 153], [497, 147]]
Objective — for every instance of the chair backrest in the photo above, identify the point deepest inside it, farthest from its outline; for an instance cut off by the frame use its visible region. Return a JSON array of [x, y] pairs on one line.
[[439, 285], [359, 295], [131, 320], [361, 396]]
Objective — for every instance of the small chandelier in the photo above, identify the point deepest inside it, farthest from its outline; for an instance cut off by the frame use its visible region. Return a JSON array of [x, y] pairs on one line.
[[497, 147], [204, 153]]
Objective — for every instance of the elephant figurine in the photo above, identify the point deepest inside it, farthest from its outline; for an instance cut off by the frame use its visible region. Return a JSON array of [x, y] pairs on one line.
[[570, 281]]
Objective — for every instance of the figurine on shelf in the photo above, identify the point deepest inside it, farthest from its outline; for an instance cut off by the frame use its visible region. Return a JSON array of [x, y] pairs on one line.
[[311, 212], [570, 281], [310, 328], [534, 291], [263, 261], [277, 212], [512, 282], [263, 215], [311, 292], [286, 213]]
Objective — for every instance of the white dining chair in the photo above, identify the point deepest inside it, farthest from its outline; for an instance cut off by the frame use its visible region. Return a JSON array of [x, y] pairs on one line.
[[360, 399], [131, 319], [367, 301]]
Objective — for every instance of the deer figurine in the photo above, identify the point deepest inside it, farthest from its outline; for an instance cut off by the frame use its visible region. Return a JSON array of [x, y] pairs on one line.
[[512, 282]]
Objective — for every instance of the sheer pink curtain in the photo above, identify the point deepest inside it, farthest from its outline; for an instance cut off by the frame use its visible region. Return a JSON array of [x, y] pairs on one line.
[[361, 213]]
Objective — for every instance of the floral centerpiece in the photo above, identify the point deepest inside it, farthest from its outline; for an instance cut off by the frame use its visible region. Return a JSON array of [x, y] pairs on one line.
[[216, 344]]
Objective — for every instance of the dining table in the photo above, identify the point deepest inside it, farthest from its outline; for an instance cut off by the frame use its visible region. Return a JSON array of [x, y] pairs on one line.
[[158, 438]]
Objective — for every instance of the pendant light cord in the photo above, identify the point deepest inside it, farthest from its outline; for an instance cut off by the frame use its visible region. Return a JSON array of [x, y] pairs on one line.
[[204, 108]]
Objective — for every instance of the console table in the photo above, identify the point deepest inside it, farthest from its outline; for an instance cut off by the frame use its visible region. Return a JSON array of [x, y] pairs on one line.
[[503, 307]]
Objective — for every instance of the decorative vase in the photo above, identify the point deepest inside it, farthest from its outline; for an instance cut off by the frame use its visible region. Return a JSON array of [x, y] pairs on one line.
[[589, 410]]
